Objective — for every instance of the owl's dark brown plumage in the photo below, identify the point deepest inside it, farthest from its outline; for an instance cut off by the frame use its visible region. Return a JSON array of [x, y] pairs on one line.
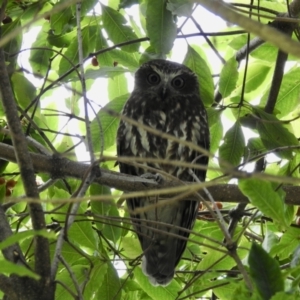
[[165, 97]]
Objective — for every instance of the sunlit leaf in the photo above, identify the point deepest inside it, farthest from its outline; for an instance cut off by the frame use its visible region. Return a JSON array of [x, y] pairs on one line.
[[116, 29], [195, 62], [289, 93], [228, 77], [232, 150], [263, 195], [161, 28], [109, 124]]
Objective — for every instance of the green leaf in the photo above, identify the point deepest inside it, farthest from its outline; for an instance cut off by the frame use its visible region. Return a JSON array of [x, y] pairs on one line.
[[287, 244], [118, 32], [40, 58], [169, 292], [9, 268], [59, 21], [84, 235], [215, 128], [265, 272], [110, 287], [20, 236], [62, 40], [161, 28], [117, 86], [195, 62], [112, 229], [261, 194], [106, 72], [99, 208], [109, 124], [97, 277], [127, 3], [228, 77], [131, 246], [289, 93], [104, 58], [273, 134], [256, 74], [71, 53], [24, 90], [80, 272], [255, 147], [129, 60], [13, 46], [232, 149], [180, 8]]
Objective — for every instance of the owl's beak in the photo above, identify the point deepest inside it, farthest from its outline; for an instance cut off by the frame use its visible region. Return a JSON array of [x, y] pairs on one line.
[[164, 91]]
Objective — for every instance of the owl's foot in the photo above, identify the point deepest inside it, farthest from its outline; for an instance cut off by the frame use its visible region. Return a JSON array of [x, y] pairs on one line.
[[156, 177]]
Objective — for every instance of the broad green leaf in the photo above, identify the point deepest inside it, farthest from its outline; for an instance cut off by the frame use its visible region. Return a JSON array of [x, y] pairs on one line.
[[215, 128], [106, 72], [232, 150], [131, 246], [71, 53], [118, 32], [287, 244], [285, 296], [9, 268], [112, 229], [60, 20], [80, 272], [169, 292], [261, 194], [256, 74], [127, 3], [84, 235], [161, 28], [99, 208], [266, 52], [110, 287], [180, 8], [97, 277], [117, 86], [196, 63], [86, 6], [17, 237], [104, 59], [109, 124], [289, 93], [228, 77], [273, 134], [24, 90], [40, 58], [129, 60], [62, 40], [13, 46], [254, 147], [265, 272]]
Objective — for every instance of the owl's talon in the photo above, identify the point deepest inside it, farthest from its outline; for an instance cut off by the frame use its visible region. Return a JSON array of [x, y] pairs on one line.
[[156, 177]]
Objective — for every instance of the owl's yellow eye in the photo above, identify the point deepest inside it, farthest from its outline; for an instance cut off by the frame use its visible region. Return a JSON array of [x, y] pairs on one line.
[[178, 82], [153, 78]]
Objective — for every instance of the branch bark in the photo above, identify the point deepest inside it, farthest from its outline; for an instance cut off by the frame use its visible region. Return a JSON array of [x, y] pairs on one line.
[[60, 167]]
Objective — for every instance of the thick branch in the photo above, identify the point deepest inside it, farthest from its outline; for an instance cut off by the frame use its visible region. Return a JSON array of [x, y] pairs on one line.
[[42, 255], [63, 167]]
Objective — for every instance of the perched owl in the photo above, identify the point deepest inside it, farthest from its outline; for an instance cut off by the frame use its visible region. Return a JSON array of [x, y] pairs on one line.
[[165, 97]]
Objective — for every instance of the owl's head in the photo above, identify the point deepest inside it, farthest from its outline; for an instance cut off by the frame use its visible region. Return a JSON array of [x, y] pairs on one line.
[[166, 78]]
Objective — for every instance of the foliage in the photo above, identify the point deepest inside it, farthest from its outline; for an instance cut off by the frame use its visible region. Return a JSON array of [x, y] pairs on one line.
[[69, 95]]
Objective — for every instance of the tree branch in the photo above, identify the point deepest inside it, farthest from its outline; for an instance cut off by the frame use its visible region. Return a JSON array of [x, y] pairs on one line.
[[63, 167], [42, 254]]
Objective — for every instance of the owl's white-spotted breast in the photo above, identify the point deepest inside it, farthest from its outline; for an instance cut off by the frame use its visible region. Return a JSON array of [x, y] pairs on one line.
[[165, 97]]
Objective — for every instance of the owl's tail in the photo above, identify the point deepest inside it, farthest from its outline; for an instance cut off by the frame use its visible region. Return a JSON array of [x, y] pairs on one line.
[[158, 272]]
